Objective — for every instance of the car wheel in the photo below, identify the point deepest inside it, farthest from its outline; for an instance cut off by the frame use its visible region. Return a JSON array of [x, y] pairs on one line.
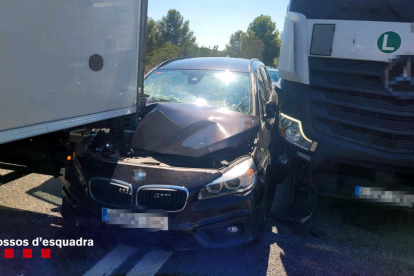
[[266, 204], [282, 199], [292, 204]]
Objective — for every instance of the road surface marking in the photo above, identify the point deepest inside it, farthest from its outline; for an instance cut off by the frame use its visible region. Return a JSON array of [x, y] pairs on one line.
[[150, 263], [111, 261]]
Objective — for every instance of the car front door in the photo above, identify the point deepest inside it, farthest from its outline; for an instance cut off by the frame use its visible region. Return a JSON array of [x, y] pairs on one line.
[[264, 136]]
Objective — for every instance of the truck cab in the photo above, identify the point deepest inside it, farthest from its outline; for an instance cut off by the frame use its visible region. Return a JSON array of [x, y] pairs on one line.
[[346, 104]]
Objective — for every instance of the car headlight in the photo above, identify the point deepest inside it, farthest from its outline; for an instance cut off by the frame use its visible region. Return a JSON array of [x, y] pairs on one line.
[[238, 179], [291, 130]]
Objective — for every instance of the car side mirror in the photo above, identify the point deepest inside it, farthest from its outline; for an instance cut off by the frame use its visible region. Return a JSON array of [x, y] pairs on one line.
[[271, 110]]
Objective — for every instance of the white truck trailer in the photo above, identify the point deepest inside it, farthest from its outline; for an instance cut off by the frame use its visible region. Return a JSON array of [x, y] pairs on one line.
[[64, 65]]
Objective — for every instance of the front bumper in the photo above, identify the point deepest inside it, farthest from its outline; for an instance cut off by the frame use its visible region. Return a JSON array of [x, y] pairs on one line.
[[202, 224], [339, 165]]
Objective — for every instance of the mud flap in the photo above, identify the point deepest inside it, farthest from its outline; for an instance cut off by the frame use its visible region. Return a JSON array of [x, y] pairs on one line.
[[295, 197]]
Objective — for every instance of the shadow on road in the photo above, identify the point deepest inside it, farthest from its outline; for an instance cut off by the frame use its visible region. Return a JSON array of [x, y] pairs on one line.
[[342, 238], [346, 238], [16, 172], [49, 191]]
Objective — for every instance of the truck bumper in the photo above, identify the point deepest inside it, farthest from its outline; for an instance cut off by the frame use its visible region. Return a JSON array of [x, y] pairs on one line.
[[339, 165]]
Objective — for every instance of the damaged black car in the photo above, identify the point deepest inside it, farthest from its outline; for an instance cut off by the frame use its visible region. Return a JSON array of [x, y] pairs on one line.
[[195, 172]]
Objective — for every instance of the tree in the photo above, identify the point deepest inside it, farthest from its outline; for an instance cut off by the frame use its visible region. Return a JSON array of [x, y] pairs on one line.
[[152, 35], [245, 45], [251, 46], [207, 52], [170, 38], [265, 29], [276, 62], [160, 54], [174, 30], [234, 47]]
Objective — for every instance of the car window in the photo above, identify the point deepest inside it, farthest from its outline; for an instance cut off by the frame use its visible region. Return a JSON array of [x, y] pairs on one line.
[[267, 81], [221, 89], [261, 92], [274, 76]]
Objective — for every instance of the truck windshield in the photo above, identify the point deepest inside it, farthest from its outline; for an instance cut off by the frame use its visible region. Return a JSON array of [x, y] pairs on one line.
[[366, 10], [221, 89]]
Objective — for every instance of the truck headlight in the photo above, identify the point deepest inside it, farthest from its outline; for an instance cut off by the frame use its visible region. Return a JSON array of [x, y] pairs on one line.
[[238, 179], [291, 130]]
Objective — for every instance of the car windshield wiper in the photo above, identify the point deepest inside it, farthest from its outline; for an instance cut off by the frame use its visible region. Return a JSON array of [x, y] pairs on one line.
[[160, 98]]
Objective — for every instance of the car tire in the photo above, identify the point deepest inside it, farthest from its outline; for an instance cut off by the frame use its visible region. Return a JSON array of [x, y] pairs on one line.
[[70, 225], [266, 204], [282, 200], [67, 215], [292, 204]]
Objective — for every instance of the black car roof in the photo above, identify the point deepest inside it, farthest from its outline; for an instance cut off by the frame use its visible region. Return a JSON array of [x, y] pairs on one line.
[[211, 63]]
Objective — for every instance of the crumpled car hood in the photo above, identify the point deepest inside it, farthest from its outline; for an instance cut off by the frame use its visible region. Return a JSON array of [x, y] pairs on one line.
[[191, 130]]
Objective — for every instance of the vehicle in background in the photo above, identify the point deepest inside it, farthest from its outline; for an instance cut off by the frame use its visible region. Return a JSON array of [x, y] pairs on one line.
[[197, 165], [346, 104], [67, 71], [274, 75]]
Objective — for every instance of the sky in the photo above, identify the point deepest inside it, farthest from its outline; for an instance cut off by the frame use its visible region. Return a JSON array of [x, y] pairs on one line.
[[213, 21]]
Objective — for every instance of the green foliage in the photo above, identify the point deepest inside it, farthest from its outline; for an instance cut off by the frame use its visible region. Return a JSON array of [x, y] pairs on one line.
[[171, 37], [276, 62], [152, 35], [251, 47], [173, 29], [205, 52], [261, 40], [265, 29], [160, 54], [234, 48]]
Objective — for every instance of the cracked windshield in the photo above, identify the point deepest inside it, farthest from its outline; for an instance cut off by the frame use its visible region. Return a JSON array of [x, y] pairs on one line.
[[220, 89]]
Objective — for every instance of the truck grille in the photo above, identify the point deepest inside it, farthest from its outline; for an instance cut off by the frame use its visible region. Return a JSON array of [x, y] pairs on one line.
[[111, 192], [350, 103], [162, 197]]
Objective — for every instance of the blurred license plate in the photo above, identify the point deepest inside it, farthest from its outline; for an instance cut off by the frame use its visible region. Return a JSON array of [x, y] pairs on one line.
[[129, 219], [374, 194]]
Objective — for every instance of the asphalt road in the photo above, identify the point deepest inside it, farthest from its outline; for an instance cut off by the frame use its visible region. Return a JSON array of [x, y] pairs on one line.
[[341, 239]]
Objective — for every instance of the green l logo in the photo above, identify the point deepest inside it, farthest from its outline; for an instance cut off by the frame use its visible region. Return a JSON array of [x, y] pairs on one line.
[[389, 42]]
